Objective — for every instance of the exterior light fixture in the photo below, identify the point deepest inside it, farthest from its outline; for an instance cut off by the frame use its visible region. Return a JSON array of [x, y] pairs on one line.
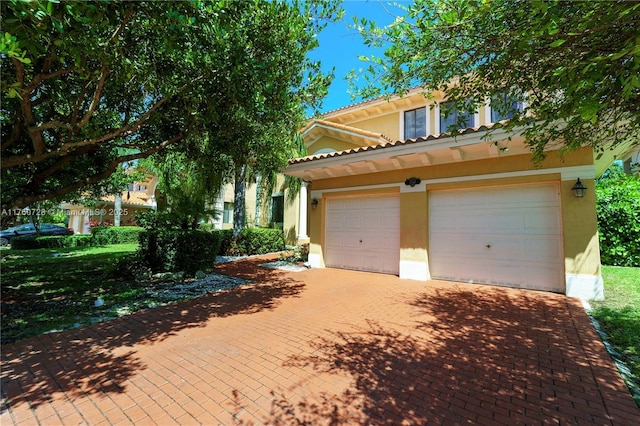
[[314, 203], [413, 181], [578, 189]]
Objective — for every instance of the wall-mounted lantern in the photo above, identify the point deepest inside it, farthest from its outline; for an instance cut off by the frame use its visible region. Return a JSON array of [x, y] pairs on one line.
[[314, 203], [413, 181], [578, 189]]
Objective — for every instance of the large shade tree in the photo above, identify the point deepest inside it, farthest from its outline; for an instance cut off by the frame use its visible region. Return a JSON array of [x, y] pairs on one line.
[[578, 62], [271, 85], [89, 85]]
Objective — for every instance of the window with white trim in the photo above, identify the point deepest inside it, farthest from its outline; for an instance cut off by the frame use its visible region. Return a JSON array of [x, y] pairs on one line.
[[452, 119], [227, 213], [504, 106], [415, 123]]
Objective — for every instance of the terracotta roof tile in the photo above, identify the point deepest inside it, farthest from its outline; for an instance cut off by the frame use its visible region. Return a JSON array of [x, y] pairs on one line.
[[390, 144], [140, 198]]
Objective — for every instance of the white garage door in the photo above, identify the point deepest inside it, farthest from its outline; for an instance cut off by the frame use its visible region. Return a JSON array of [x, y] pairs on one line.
[[509, 235], [363, 233]]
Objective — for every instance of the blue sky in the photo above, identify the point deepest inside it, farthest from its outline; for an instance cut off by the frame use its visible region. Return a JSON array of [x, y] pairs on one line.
[[340, 47]]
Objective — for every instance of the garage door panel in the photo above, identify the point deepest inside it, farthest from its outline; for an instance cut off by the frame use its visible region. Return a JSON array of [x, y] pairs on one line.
[[363, 233], [521, 224]]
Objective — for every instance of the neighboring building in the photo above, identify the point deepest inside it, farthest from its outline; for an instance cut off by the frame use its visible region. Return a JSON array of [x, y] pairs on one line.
[[389, 192], [275, 210], [139, 196], [631, 161]]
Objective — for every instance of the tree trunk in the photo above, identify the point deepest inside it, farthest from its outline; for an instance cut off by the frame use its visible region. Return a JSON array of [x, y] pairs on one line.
[[117, 207], [239, 200]]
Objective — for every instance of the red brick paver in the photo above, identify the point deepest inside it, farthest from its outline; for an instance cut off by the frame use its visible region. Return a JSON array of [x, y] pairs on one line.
[[325, 347]]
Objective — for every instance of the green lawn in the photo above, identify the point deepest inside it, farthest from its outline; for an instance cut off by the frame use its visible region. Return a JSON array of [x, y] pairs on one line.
[[619, 315], [49, 289]]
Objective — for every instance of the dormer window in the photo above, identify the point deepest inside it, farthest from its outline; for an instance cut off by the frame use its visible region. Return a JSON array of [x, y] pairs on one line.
[[452, 119], [504, 106], [415, 123]]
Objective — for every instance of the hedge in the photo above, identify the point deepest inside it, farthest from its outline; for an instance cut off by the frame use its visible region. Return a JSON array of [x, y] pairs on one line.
[[179, 250], [252, 241], [54, 241], [103, 235], [618, 209]]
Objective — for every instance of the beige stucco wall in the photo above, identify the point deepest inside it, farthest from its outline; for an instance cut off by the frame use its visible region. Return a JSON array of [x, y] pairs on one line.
[[466, 168], [581, 248], [326, 142], [580, 225], [388, 125]]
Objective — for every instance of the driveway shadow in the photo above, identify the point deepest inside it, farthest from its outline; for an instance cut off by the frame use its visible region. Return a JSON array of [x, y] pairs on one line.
[[480, 357], [98, 359]]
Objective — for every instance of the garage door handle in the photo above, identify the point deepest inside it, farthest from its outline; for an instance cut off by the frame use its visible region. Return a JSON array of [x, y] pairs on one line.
[[488, 245]]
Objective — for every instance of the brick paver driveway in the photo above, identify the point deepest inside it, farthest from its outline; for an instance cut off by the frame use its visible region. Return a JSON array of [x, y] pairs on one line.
[[325, 347]]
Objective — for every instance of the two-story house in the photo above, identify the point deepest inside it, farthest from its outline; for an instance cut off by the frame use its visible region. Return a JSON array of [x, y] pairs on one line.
[[389, 191]]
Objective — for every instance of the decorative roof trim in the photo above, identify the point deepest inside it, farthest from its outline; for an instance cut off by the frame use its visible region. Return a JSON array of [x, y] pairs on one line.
[[470, 131]]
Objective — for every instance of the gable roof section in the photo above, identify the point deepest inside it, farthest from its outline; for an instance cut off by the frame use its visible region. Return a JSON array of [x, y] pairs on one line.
[[390, 144], [474, 143], [318, 128]]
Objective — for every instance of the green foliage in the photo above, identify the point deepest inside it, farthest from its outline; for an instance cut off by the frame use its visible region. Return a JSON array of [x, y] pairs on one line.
[[253, 241], [577, 61], [157, 219], [53, 241], [54, 289], [618, 209], [179, 250], [100, 235], [207, 227], [226, 241], [103, 235], [91, 85], [619, 316]]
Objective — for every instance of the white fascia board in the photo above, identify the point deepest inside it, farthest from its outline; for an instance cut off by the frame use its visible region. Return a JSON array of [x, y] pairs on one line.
[[411, 148]]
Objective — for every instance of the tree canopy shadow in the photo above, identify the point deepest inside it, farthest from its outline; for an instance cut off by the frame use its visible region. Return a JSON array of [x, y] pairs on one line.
[[469, 358], [100, 358]]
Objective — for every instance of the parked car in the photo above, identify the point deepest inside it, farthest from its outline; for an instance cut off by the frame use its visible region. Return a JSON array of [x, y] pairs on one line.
[[29, 230]]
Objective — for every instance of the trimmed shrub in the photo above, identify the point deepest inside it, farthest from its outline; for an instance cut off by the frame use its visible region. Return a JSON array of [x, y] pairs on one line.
[[618, 208], [253, 241], [209, 227], [226, 241], [179, 250], [103, 235], [54, 241]]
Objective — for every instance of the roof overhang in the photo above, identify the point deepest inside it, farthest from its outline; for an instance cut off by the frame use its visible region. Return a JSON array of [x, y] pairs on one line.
[[429, 151], [358, 137]]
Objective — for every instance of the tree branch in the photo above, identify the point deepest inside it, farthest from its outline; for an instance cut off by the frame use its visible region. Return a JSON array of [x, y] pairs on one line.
[[27, 200], [16, 131], [17, 160], [96, 96], [27, 110], [39, 156]]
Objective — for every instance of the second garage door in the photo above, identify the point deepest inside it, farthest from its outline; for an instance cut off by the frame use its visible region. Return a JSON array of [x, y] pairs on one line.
[[509, 235], [363, 233]]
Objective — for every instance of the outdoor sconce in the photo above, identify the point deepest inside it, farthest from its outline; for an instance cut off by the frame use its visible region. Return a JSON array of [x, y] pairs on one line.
[[578, 189], [314, 203], [413, 181]]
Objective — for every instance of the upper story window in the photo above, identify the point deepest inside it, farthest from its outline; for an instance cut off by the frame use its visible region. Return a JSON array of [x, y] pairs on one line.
[[451, 118], [136, 187], [415, 123], [504, 106]]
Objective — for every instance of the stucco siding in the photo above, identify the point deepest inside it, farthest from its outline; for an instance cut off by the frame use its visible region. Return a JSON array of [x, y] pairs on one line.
[[327, 142], [388, 125]]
